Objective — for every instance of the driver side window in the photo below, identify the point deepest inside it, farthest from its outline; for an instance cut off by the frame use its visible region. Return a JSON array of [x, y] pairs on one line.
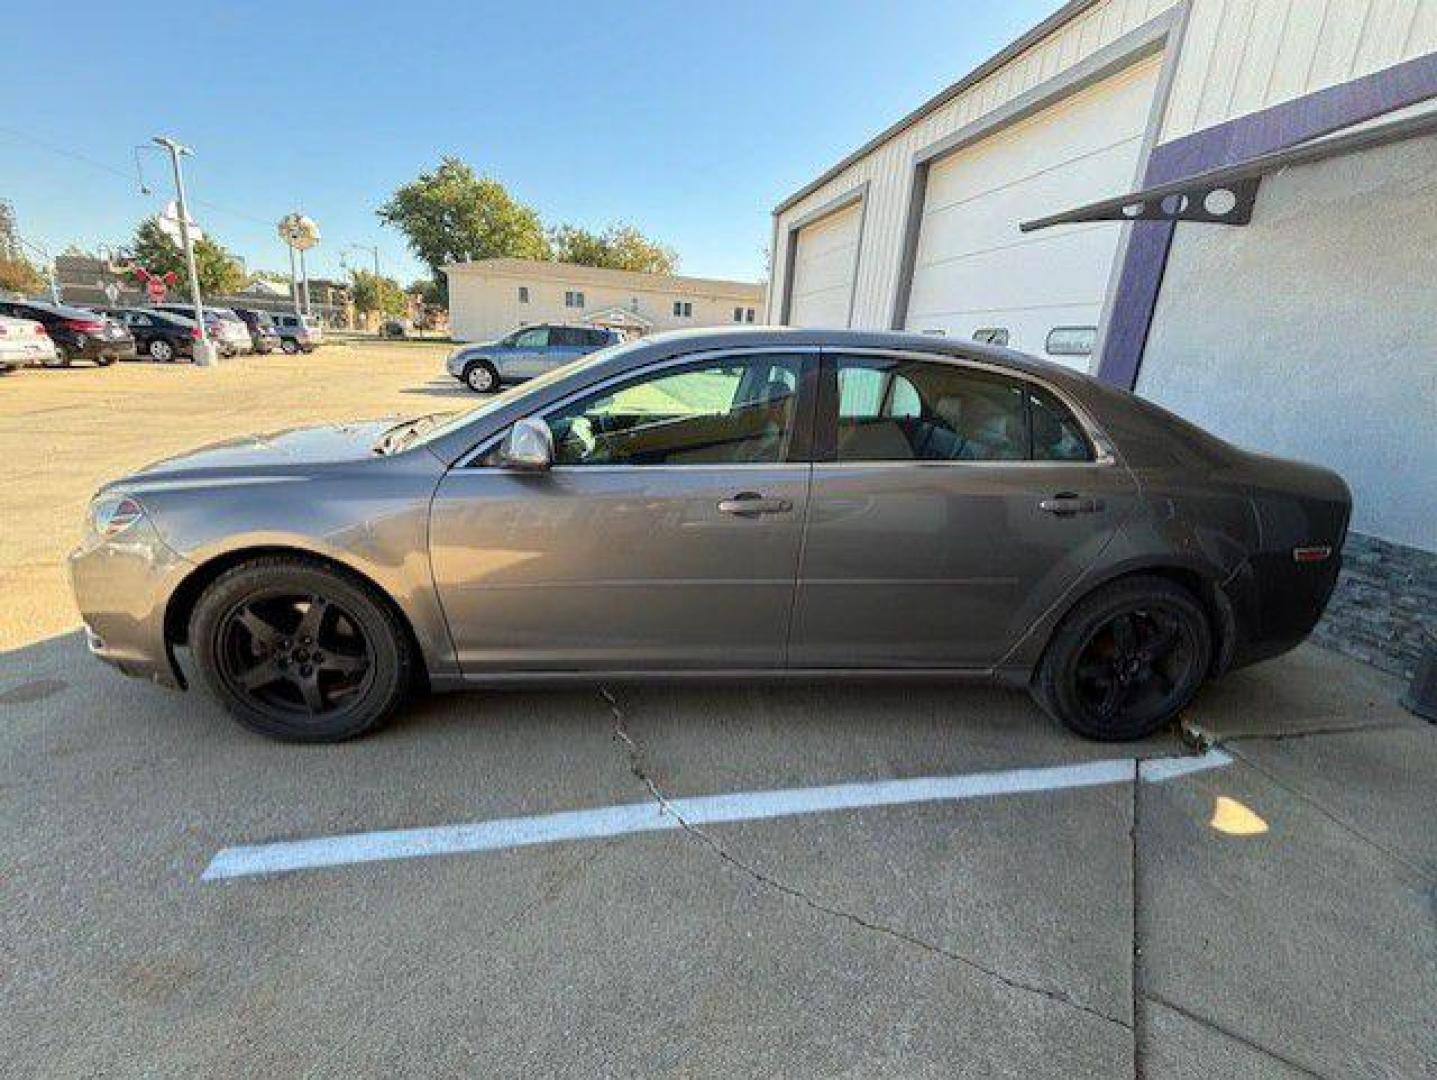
[[714, 412]]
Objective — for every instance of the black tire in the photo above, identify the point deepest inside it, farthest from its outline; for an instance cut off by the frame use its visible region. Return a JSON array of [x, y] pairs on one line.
[[1126, 660], [289, 346], [161, 350], [62, 357], [105, 361], [301, 652], [481, 377]]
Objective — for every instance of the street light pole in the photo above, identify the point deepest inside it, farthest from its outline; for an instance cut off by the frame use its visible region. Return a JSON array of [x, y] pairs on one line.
[[204, 353]]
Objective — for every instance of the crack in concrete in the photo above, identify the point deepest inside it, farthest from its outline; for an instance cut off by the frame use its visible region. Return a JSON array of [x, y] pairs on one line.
[[637, 767], [1136, 976], [1236, 1037]]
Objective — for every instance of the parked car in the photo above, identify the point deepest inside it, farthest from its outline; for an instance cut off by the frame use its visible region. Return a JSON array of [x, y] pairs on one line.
[[394, 328], [77, 333], [263, 336], [24, 342], [226, 330], [525, 353], [299, 333], [160, 335], [959, 509]]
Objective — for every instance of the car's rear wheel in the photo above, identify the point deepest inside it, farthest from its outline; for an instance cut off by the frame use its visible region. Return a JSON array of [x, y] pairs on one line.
[[481, 377], [161, 350], [298, 651], [1126, 660], [62, 357]]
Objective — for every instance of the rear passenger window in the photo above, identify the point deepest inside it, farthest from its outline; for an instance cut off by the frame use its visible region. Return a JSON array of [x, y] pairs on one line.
[[1057, 435], [899, 410]]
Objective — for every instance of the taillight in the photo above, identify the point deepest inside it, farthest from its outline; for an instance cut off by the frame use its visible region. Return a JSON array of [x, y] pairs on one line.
[[40, 330], [195, 333], [84, 326]]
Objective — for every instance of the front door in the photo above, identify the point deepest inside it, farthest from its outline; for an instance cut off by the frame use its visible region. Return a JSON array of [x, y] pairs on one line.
[[951, 505], [526, 357], [665, 537]]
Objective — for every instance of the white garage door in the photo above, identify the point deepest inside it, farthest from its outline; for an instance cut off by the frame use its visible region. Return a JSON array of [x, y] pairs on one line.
[[824, 262], [975, 273]]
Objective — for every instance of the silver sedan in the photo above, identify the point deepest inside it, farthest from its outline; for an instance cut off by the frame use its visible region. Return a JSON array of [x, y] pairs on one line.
[[754, 503]]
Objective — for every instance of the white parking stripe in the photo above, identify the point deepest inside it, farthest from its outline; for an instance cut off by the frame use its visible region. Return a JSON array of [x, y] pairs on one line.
[[643, 817]]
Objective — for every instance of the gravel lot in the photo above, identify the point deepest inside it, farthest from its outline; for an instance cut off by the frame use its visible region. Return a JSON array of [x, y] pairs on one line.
[[1271, 915]]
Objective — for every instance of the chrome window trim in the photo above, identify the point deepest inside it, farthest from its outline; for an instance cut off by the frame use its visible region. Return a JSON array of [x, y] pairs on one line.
[[745, 352], [1104, 451]]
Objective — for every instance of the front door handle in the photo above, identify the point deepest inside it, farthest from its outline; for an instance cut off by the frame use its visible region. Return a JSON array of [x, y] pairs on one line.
[[1067, 503], [752, 504]]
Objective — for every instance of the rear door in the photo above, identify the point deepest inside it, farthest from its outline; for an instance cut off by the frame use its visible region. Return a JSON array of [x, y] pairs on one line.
[[951, 505], [665, 537]]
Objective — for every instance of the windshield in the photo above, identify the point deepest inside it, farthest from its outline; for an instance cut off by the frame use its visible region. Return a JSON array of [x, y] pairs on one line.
[[514, 393]]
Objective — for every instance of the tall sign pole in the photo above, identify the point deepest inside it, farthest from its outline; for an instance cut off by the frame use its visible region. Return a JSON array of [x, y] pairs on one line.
[[204, 351], [300, 234]]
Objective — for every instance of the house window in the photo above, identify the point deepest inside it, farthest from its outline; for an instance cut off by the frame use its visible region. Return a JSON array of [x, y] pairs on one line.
[[738, 314], [573, 299], [683, 309], [748, 315], [1071, 340], [523, 294], [991, 335]]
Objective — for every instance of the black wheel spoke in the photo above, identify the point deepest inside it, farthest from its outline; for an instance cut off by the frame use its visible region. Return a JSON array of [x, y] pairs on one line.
[[261, 675], [313, 620], [261, 631], [343, 663], [309, 690]]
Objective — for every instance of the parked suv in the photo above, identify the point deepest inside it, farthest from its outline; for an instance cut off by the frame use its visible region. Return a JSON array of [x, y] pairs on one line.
[[299, 333], [160, 335], [525, 353], [261, 329], [78, 333]]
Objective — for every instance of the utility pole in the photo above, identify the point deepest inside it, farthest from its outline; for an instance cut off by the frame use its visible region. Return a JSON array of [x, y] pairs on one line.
[[204, 351]]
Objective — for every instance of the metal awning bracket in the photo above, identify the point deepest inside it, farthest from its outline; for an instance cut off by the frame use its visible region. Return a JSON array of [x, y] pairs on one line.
[[1210, 203]]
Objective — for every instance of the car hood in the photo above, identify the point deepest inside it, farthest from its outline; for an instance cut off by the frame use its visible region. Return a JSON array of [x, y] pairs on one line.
[[272, 452]]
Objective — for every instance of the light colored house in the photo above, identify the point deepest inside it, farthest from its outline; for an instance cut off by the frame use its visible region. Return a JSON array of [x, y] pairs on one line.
[[1240, 224], [490, 297]]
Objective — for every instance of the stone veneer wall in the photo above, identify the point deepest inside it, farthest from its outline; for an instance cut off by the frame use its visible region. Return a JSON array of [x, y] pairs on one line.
[[1385, 596]]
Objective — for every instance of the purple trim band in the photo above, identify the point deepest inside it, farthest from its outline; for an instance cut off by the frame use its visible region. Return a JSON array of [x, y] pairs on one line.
[[1232, 143]]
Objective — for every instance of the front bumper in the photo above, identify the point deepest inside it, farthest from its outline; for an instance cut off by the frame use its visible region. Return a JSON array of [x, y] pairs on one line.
[[122, 587]]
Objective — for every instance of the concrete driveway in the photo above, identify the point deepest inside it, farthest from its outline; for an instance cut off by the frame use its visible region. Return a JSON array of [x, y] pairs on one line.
[[1045, 907], [1079, 931]]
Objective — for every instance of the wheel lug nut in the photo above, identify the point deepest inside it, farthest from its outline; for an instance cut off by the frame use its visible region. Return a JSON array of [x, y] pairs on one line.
[[304, 670]]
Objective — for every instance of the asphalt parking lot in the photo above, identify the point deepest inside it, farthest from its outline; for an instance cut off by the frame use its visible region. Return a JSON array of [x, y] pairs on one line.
[[1065, 908]]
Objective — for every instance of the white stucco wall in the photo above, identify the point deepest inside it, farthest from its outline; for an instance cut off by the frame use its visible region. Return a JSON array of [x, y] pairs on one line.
[[1312, 332]]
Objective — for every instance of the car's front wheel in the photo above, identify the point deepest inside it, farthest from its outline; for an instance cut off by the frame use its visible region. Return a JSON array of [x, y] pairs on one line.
[[481, 377], [299, 651], [1126, 660], [161, 350], [290, 346]]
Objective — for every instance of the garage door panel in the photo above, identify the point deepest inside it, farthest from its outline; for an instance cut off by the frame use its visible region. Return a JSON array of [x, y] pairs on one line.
[[972, 267], [824, 264], [991, 219], [1003, 279], [1110, 112]]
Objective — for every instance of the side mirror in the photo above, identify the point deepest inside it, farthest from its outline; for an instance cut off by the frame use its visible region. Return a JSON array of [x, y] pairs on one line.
[[528, 446]]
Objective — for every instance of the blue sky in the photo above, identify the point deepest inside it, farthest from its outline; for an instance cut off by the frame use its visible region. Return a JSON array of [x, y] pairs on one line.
[[689, 120]]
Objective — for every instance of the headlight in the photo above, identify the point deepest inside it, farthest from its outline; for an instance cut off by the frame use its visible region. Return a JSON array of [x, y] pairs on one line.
[[113, 513]]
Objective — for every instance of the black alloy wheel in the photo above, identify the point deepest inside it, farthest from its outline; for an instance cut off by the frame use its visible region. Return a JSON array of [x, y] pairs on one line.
[[1126, 660], [299, 650], [293, 653]]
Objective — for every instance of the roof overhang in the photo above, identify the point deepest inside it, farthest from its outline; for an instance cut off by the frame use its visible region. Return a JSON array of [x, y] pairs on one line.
[[1225, 196]]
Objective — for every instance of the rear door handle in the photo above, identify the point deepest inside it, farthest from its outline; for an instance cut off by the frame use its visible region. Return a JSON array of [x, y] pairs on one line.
[[752, 504], [1067, 503]]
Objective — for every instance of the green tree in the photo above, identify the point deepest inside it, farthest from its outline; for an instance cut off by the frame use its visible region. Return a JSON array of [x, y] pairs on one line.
[[376, 293], [157, 253], [455, 215], [619, 247], [20, 275]]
